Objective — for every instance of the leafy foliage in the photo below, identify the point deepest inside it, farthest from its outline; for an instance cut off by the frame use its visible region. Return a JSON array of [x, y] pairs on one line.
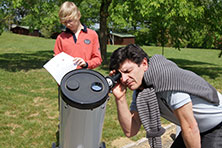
[[175, 23]]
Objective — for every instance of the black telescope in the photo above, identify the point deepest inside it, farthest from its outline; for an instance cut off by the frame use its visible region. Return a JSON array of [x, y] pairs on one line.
[[84, 94]]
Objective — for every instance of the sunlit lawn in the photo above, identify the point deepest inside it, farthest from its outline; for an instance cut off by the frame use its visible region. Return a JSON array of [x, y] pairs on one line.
[[28, 93]]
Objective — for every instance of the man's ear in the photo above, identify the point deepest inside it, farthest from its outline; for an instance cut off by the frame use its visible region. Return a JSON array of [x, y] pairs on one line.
[[145, 64]]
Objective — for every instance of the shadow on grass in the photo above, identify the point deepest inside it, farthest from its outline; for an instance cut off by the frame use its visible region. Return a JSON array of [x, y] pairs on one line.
[[185, 62], [200, 68], [14, 62]]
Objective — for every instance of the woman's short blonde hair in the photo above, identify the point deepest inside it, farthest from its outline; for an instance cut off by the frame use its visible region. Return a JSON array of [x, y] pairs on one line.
[[69, 11]]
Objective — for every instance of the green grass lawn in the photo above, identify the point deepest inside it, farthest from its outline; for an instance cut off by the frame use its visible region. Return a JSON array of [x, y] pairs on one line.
[[28, 93]]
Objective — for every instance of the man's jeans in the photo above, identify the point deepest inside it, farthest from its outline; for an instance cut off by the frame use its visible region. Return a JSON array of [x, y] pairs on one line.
[[209, 139]]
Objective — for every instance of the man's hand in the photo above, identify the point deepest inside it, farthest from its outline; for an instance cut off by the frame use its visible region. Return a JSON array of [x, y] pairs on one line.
[[80, 62], [129, 121], [119, 90]]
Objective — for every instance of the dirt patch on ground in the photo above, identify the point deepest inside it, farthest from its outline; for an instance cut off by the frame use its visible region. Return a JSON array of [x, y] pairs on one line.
[[125, 142], [118, 143]]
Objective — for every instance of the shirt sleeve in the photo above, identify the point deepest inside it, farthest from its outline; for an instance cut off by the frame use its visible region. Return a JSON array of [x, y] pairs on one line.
[[178, 99], [96, 58], [58, 46]]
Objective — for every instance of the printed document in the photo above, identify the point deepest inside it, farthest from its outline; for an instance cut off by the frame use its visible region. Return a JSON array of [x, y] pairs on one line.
[[60, 65]]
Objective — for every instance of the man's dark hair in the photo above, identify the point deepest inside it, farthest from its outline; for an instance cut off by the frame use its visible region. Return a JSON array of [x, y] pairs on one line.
[[131, 52]]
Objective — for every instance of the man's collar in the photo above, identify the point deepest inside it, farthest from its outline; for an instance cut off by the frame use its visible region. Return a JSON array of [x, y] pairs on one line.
[[84, 29]]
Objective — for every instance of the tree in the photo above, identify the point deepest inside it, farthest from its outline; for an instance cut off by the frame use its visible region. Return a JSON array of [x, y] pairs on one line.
[[43, 15], [178, 23], [103, 27], [7, 14], [37, 14]]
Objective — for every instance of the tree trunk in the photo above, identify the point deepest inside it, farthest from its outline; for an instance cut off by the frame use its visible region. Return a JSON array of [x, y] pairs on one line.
[[103, 33], [220, 54]]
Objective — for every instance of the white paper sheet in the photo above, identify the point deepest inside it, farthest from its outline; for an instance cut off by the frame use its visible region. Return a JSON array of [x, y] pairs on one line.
[[60, 65]]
